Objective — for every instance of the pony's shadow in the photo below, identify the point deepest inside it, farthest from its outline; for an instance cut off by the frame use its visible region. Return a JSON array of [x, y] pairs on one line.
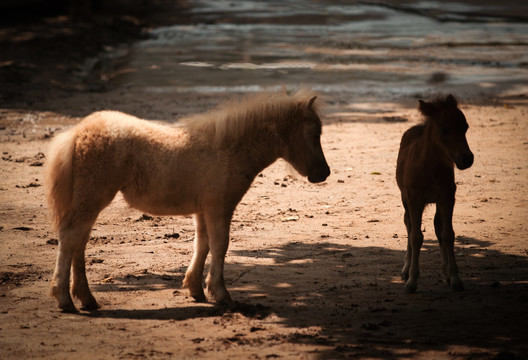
[[206, 310], [154, 282], [176, 313], [472, 241], [370, 314], [146, 281], [358, 301]]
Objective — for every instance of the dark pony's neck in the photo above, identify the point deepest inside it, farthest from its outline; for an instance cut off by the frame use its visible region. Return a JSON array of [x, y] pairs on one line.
[[432, 146], [434, 113]]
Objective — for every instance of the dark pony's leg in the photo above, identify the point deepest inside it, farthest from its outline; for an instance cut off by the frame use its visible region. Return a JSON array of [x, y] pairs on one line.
[[447, 241], [416, 240], [438, 231], [193, 277], [407, 263]]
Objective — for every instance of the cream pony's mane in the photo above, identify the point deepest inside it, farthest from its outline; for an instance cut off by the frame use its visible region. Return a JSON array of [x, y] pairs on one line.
[[236, 118]]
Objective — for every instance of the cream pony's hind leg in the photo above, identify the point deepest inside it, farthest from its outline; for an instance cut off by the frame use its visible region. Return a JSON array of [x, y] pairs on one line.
[[80, 288], [71, 238], [194, 274], [218, 230], [60, 287]]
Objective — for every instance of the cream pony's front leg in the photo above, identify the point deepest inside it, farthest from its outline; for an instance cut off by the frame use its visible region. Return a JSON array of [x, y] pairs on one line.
[[194, 274], [218, 223]]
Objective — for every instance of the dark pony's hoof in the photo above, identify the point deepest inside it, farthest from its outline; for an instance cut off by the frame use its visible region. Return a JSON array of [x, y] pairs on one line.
[[410, 289], [457, 287], [456, 284]]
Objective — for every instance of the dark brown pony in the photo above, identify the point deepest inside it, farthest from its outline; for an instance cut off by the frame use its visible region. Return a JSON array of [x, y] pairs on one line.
[[425, 175]]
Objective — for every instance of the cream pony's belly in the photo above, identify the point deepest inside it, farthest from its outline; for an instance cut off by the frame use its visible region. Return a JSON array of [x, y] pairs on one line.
[[163, 206]]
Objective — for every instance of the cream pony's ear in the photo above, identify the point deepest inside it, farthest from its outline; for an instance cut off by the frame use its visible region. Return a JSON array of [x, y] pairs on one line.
[[310, 103]]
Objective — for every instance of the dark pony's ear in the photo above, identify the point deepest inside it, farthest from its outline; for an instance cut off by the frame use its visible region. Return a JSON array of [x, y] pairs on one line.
[[311, 102], [426, 108], [451, 101]]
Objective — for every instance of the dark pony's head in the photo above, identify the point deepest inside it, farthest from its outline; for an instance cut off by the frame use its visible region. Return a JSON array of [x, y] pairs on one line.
[[450, 128]]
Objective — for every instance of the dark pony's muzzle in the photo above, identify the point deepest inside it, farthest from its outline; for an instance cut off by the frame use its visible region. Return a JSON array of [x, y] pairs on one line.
[[464, 160], [320, 174]]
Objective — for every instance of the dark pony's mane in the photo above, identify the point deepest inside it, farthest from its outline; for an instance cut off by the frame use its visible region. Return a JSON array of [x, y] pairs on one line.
[[425, 130], [235, 119], [439, 103]]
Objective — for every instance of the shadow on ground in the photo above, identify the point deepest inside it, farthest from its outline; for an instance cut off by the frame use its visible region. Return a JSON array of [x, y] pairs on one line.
[[353, 294]]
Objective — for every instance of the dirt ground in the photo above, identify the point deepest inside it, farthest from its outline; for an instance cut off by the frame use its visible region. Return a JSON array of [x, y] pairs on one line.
[[315, 267]]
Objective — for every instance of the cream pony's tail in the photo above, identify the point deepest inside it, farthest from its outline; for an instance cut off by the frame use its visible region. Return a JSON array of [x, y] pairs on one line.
[[59, 176]]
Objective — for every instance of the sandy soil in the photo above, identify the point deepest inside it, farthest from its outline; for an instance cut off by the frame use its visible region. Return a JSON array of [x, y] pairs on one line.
[[314, 267]]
